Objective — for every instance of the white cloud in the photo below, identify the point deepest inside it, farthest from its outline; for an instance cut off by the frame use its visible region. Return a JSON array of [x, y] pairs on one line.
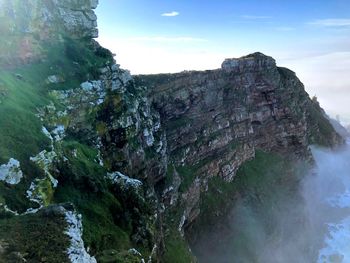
[[255, 17], [170, 14], [168, 39], [150, 57], [331, 22], [326, 76]]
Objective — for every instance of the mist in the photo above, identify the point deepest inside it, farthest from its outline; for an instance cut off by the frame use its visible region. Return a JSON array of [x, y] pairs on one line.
[[305, 219]]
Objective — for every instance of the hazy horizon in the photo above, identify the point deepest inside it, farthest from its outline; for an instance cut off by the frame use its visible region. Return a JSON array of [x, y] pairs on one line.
[[310, 38]]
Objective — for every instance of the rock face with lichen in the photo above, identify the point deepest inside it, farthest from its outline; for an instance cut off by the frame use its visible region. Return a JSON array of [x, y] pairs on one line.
[[11, 172], [215, 120], [27, 23], [118, 163], [50, 17]]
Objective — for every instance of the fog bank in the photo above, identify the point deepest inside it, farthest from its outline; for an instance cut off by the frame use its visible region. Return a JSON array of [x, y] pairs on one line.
[[307, 220]]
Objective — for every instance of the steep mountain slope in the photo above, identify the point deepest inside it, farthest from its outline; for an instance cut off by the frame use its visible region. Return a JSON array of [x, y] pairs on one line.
[[98, 165]]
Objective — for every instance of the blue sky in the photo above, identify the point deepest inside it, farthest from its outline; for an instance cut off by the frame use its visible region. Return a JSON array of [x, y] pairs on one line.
[[310, 37]]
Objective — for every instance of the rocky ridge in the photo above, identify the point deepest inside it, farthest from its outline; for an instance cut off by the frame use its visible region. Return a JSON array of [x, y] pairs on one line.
[[132, 154]]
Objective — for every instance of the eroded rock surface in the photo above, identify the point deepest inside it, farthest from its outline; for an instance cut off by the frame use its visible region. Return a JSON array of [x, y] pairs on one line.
[[214, 120]]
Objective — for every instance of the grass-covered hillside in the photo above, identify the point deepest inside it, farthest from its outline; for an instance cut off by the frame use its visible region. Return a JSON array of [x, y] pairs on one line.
[[42, 110]]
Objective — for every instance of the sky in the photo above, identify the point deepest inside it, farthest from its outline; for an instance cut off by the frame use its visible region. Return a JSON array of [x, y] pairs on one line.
[[310, 37]]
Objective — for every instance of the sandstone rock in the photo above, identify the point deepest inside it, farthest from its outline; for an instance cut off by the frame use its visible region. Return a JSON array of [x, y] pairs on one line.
[[81, 24], [253, 62]]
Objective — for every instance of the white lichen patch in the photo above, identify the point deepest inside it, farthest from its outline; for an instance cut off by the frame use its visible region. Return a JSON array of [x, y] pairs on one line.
[[148, 135], [124, 181], [11, 172], [54, 79], [47, 134], [8, 210], [98, 146], [33, 193], [59, 133], [135, 252], [86, 86], [99, 158], [41, 190], [76, 251], [44, 160], [182, 223]]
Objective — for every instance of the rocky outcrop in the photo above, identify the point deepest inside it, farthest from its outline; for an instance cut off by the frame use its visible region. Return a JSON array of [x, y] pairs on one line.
[[77, 17], [251, 63]]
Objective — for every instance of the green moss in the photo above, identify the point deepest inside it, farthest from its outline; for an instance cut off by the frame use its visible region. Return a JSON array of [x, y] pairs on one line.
[[27, 91], [114, 256], [321, 130], [101, 128], [169, 175], [257, 175], [44, 190], [176, 249], [21, 135], [38, 237], [23, 91], [108, 221], [100, 230], [108, 214], [187, 174], [177, 123]]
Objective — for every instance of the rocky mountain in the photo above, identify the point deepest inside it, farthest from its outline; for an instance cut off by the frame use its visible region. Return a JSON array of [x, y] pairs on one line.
[[99, 165]]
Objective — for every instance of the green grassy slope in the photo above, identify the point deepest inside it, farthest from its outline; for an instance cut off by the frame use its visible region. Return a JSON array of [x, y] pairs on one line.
[[24, 92]]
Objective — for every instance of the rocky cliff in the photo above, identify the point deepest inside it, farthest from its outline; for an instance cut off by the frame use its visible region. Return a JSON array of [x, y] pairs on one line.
[[28, 23], [99, 165], [214, 121]]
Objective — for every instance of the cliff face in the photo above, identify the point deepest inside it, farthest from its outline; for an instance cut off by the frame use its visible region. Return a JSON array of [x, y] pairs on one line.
[[50, 17], [214, 121], [27, 23], [117, 165]]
